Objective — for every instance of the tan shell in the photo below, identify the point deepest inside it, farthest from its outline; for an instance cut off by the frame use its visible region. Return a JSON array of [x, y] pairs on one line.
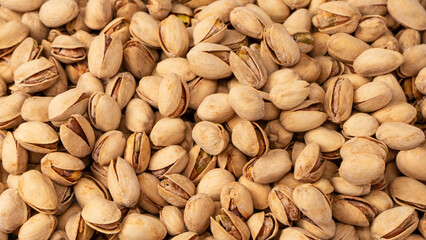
[[14, 156], [377, 61], [79, 143], [408, 192], [168, 160], [39, 226], [77, 227], [144, 27], [409, 13], [63, 105], [104, 112], [33, 69], [121, 88], [100, 212], [342, 186], [211, 137], [138, 151], [108, 147], [11, 112], [313, 203], [205, 52], [250, 138], [58, 165], [219, 232], [408, 162], [213, 182], [400, 136], [37, 137], [220, 113], [211, 29], [338, 100], [197, 213], [173, 96], [259, 192], [136, 225], [149, 198], [182, 184], [104, 63], [191, 170], [88, 188], [172, 217], [281, 47], [291, 233], [318, 135], [362, 168], [139, 116], [257, 222], [353, 210], [398, 222], [14, 211], [306, 116], [13, 28], [364, 145], [345, 47], [339, 8], [173, 37], [281, 203], [236, 198], [67, 43]]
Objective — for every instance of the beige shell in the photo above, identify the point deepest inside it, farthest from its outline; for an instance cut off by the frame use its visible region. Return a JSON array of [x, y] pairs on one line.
[[104, 112], [210, 29], [236, 197], [260, 221], [353, 210], [388, 224], [176, 189], [108, 147], [339, 8], [67, 43], [306, 116], [39, 226], [75, 226], [342, 186], [88, 188], [37, 137], [408, 192], [63, 105], [136, 225], [13, 28], [362, 168], [100, 214], [250, 139], [138, 151], [123, 183], [78, 143], [400, 136], [14, 211], [168, 160], [173, 37], [139, 116], [197, 167], [377, 61], [219, 231], [409, 13], [213, 182], [408, 162], [281, 203], [149, 198], [313, 203], [259, 192], [217, 68], [211, 137], [172, 217], [197, 213], [220, 113], [62, 168], [36, 75], [328, 140]]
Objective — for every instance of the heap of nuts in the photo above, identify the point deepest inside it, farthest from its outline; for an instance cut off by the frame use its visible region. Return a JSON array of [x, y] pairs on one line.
[[213, 119]]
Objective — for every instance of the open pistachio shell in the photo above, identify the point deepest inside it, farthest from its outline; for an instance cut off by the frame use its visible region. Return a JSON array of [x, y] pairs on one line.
[[176, 189], [395, 223], [239, 231], [77, 136], [409, 13], [62, 168], [236, 198], [102, 215], [77, 228], [123, 183], [138, 151], [168, 160], [353, 210], [250, 138], [263, 225], [88, 188], [149, 198], [37, 137], [281, 203], [199, 163], [409, 192]]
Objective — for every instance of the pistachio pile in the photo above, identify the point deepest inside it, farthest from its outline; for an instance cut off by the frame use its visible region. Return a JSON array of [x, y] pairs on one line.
[[213, 119]]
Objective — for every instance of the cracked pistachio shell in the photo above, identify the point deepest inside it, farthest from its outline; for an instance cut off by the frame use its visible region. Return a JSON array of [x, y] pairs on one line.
[[408, 162], [236, 198], [26, 51], [211, 137], [233, 39], [229, 218], [296, 233], [246, 102], [58, 12], [14, 212], [290, 94], [36, 109], [396, 112], [148, 89], [413, 60], [307, 116], [88, 188], [220, 112], [77, 136], [250, 139], [98, 14], [77, 228], [319, 44], [172, 217], [102, 215], [149, 198], [67, 49], [361, 168], [104, 112], [259, 192], [233, 160], [248, 67], [372, 96], [42, 198], [14, 156], [173, 96], [139, 116], [248, 22], [276, 9], [313, 203], [138, 58], [123, 183], [39, 226], [138, 151], [13, 28], [211, 29], [177, 65], [398, 94], [199, 89], [308, 68], [197, 213], [176, 189], [121, 88], [168, 160], [345, 232], [278, 136], [377, 61], [63, 105], [105, 56], [371, 7], [280, 45], [409, 192], [330, 67], [108, 147], [145, 28], [37, 137], [328, 140], [420, 81], [118, 28], [213, 182], [217, 57], [337, 16], [386, 42], [263, 225], [400, 136], [345, 47], [36, 75], [342, 186], [364, 145], [199, 163], [380, 200], [410, 14], [143, 227], [159, 9], [173, 37], [309, 165], [268, 168], [371, 27], [280, 201], [189, 236], [338, 100], [62, 168], [395, 223], [353, 210]]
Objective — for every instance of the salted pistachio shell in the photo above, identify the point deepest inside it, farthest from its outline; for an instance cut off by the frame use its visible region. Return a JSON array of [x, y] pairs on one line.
[[371, 27], [26, 51], [296, 119], [39, 226], [176, 189], [62, 168], [398, 222], [338, 100], [400, 136], [211, 137], [277, 10], [221, 8], [361, 168], [380, 200], [377, 61], [396, 112], [98, 14], [199, 89], [408, 192], [105, 55], [138, 58], [236, 198], [263, 225], [37, 137], [145, 28], [102, 215], [308, 68], [296, 233], [77, 136], [36, 75], [364, 145], [14, 156], [248, 68], [108, 147], [139, 116], [36, 109], [313, 203], [250, 138], [288, 95], [123, 183], [367, 7], [420, 81], [43, 198], [213, 182], [104, 112], [409, 13], [211, 29], [335, 17], [216, 55], [188, 236], [372, 96], [77, 227], [268, 168], [119, 27], [149, 199], [172, 217], [281, 46], [280, 201], [138, 151], [328, 140], [136, 225], [246, 102], [121, 88], [168, 160], [177, 65], [353, 210], [330, 67], [278, 136], [259, 192], [233, 39], [159, 9], [14, 211], [63, 105], [220, 113], [345, 232], [148, 88], [199, 163], [65, 196], [408, 162], [67, 49], [413, 60], [11, 112], [398, 94], [49, 12], [342, 186], [309, 165], [386, 42], [173, 37], [233, 160], [248, 22], [88, 188], [352, 126], [197, 213], [173, 96], [227, 218]]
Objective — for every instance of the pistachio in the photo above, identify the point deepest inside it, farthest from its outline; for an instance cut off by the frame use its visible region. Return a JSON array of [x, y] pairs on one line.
[[400, 136], [176, 189], [168, 160], [228, 226], [334, 17], [173, 37], [250, 139], [105, 55], [104, 112], [338, 100], [211, 137], [62, 168], [13, 209], [136, 225], [197, 213], [246, 102], [108, 147], [377, 61], [49, 12], [102, 215], [399, 223], [281, 203]]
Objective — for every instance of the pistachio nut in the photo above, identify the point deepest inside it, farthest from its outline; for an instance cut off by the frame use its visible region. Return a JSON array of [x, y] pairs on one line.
[[123, 183], [371, 27], [221, 110], [377, 61], [351, 127], [37, 137], [138, 151], [98, 14], [408, 192], [26, 51], [173, 96], [213, 182], [233, 160], [306, 116], [149, 198], [296, 233], [199, 163], [176, 189], [246, 102], [211, 137], [77, 228], [108, 147], [280, 45], [148, 88], [136, 225], [36, 75], [227, 225], [338, 100], [14, 156], [119, 27], [102, 215], [159, 9], [408, 162], [104, 112], [168, 160], [121, 88], [216, 55], [236, 198], [259, 192], [220, 8], [330, 67], [248, 22], [413, 61], [396, 112], [345, 47], [10, 115], [380, 200], [420, 81], [49, 12], [335, 17], [173, 37], [342, 186], [319, 43], [64, 105], [77, 136], [43, 198], [105, 55], [310, 164], [263, 225], [139, 116], [398, 222], [410, 14], [88, 188], [288, 95], [400, 136], [211, 29], [13, 28], [172, 217], [372, 96], [361, 168], [36, 109], [67, 49], [386, 42], [250, 139], [364, 145], [62, 168], [39, 226], [145, 28], [177, 65], [353, 210], [14, 211], [198, 210], [281, 203], [199, 89], [328, 140], [278, 136]]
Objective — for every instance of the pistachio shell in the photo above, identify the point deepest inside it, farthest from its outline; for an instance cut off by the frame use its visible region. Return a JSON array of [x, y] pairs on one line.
[[37, 137], [400, 136], [102, 215], [14, 211], [409, 13], [123, 183], [62, 168], [361, 168], [377, 61], [172, 217], [398, 222], [408, 192], [213, 182], [39, 226], [136, 225], [197, 213]]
